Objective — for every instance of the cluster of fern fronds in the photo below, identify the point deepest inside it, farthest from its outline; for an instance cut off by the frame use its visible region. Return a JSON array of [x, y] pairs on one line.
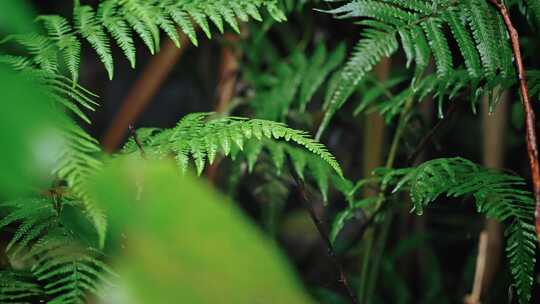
[[497, 195], [120, 19], [50, 260], [420, 28], [57, 267]]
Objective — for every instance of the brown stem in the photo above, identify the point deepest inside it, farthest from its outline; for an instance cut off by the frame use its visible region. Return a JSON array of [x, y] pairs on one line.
[[228, 73], [374, 129], [530, 134], [490, 240], [474, 296], [133, 133], [143, 90], [324, 235]]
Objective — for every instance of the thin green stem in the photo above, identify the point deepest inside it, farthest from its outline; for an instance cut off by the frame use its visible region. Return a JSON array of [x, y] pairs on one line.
[[379, 248], [370, 270]]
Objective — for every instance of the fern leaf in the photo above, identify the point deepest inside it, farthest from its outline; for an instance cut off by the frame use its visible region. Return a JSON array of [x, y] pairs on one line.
[[61, 33], [88, 25], [118, 28], [213, 14], [483, 32], [439, 45], [534, 6], [141, 16], [18, 287], [496, 195], [374, 9], [201, 139], [17, 63], [182, 20], [465, 42], [168, 27], [200, 19], [366, 54], [43, 51], [505, 52], [318, 69]]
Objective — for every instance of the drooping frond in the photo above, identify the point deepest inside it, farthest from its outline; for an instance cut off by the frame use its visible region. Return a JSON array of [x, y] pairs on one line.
[[421, 27], [121, 18], [68, 272], [201, 139], [19, 287], [366, 54], [43, 52], [306, 165], [497, 195], [58, 267], [77, 158], [63, 36], [91, 29], [378, 97]]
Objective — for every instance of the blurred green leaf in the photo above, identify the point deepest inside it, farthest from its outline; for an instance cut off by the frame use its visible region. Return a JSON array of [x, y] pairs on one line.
[[28, 139], [16, 16], [186, 244]]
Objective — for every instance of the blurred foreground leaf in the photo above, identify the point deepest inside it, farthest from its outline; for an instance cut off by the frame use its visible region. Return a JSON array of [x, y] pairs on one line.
[[28, 139], [16, 16], [185, 244]]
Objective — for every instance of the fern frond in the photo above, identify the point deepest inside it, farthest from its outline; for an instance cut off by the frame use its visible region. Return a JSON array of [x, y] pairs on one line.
[[89, 27], [318, 70], [141, 17], [71, 273], [366, 54], [76, 159], [534, 7], [118, 28], [17, 63], [534, 82], [62, 34], [440, 48], [43, 51], [305, 164], [120, 18], [19, 287], [77, 162], [181, 18], [421, 29], [277, 90], [496, 194], [60, 267], [201, 140], [465, 42], [484, 35]]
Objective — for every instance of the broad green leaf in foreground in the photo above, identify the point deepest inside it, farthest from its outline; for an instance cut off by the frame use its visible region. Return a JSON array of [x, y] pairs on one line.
[[186, 244], [16, 16], [27, 135]]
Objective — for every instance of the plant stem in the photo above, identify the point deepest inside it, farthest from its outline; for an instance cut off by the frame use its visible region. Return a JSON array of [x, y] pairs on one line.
[[133, 133], [324, 235], [530, 134], [369, 278], [429, 136]]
